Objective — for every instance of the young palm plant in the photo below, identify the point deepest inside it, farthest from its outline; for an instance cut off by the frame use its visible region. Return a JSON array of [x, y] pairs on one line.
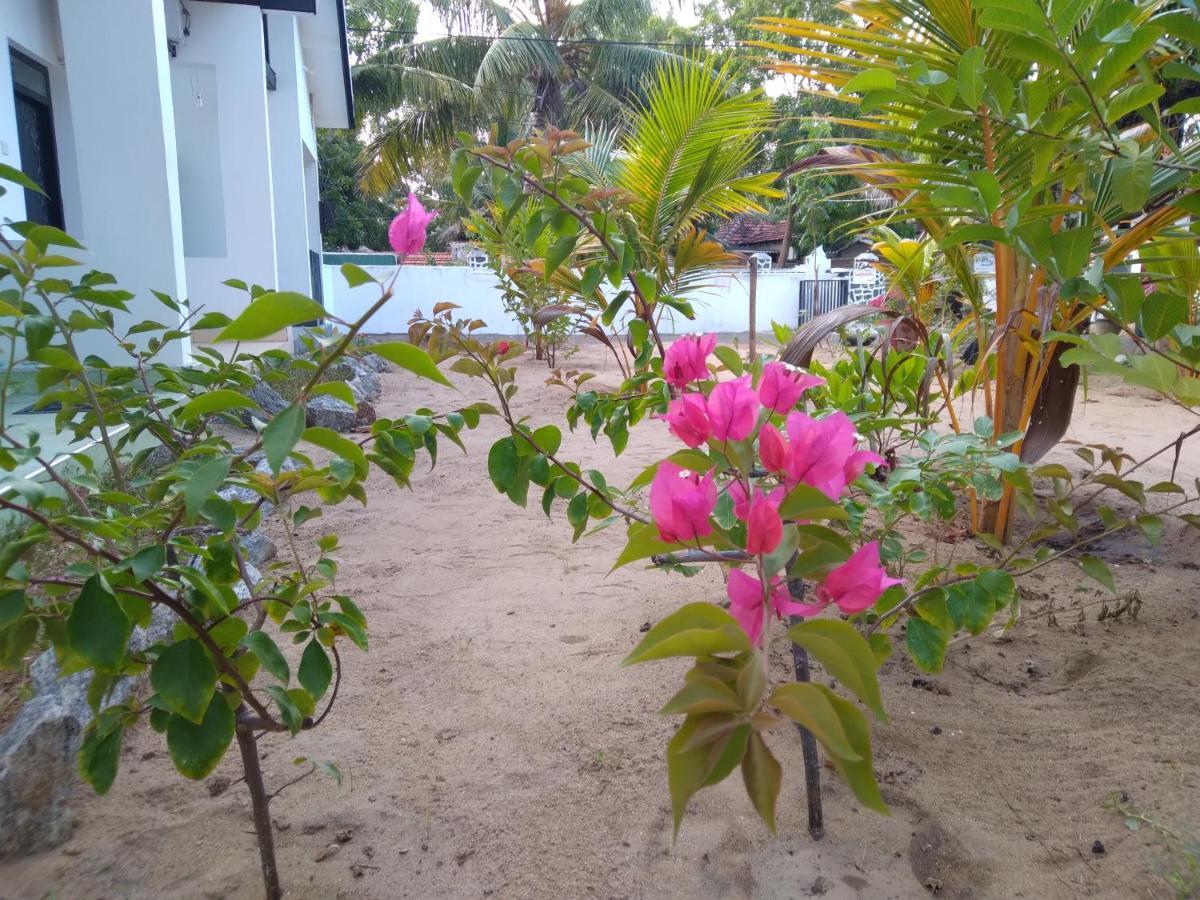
[[1030, 128]]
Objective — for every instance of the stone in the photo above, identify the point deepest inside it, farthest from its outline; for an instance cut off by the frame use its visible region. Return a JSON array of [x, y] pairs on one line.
[[376, 362], [324, 411], [257, 548], [364, 383], [269, 403], [37, 777], [364, 414]]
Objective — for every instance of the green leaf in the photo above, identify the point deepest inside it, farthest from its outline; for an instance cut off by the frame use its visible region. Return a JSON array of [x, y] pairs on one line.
[[281, 435], [270, 312], [203, 482], [12, 607], [729, 358], [503, 464], [412, 358], [330, 440], [548, 438], [926, 644], [763, 776], [560, 250], [970, 606], [858, 773], [214, 402], [1161, 312], [870, 80], [146, 561], [197, 748], [289, 709], [338, 389], [703, 694], [185, 679], [261, 645], [808, 705], [16, 176], [697, 629], [100, 754], [355, 275], [846, 656], [691, 768], [806, 502], [1097, 569], [97, 627], [1133, 97], [970, 76], [315, 669]]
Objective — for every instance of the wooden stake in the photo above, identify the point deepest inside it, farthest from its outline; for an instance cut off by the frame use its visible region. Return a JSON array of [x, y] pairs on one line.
[[753, 308], [808, 743]]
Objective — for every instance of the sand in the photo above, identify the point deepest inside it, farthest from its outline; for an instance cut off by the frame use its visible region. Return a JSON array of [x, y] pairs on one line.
[[492, 746]]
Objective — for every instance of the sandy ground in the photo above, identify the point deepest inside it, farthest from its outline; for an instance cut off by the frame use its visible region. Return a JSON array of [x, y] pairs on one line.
[[492, 746]]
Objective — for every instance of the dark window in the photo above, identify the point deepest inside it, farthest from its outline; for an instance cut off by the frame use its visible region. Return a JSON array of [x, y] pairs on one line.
[[35, 139]]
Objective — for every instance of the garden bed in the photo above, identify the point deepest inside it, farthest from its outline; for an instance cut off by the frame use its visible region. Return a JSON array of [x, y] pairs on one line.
[[491, 745]]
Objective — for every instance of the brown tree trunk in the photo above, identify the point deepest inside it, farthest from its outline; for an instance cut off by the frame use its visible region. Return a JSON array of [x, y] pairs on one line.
[[260, 805]]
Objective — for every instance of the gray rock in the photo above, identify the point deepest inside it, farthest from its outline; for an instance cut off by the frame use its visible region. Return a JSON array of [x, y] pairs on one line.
[[324, 411], [263, 467], [269, 403], [257, 548], [365, 384], [376, 362], [37, 777]]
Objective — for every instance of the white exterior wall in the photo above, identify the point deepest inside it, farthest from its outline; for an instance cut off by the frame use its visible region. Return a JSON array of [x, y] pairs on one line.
[[291, 125], [227, 39], [126, 158], [724, 307]]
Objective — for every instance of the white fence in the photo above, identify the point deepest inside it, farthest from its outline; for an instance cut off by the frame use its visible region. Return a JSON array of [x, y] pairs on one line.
[[723, 307]]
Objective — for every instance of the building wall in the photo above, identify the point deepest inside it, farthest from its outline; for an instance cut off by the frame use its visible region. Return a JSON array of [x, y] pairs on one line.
[[226, 42], [288, 108], [723, 307]]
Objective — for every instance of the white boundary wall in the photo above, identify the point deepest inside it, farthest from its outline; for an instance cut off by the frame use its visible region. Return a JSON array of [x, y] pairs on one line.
[[723, 307]]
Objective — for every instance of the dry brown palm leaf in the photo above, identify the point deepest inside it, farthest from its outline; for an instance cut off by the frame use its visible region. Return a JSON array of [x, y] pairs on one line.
[[799, 350], [548, 314], [1052, 409]]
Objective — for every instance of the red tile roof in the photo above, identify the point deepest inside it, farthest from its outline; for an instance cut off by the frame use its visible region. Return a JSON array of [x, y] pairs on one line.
[[750, 228]]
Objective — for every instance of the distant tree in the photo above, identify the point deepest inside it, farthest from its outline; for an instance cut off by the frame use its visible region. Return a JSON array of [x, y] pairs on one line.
[[349, 220]]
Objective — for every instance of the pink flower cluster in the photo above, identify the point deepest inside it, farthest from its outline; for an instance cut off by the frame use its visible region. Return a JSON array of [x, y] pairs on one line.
[[821, 453], [730, 412]]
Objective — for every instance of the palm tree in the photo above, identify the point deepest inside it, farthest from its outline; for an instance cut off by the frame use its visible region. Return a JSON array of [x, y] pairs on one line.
[[552, 62], [1008, 125]]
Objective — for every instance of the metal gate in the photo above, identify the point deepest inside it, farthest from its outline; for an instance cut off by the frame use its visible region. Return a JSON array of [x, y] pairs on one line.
[[820, 296]]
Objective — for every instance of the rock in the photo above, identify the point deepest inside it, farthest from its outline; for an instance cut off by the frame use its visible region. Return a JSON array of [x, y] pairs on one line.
[[263, 467], [377, 363], [37, 777], [158, 458], [364, 384], [257, 548], [268, 400], [364, 414], [324, 411]]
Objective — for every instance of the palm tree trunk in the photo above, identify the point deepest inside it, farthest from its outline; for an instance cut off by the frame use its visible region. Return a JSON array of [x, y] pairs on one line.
[[547, 102]]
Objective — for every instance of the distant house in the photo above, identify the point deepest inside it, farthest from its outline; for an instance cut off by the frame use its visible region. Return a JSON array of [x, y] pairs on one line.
[[751, 233], [176, 138], [842, 255]]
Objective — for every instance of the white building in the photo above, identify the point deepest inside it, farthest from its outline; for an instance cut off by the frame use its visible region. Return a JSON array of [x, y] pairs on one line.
[[176, 138]]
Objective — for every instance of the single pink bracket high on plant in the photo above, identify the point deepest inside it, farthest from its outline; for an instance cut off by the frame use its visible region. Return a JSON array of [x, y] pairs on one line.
[[408, 230], [686, 359]]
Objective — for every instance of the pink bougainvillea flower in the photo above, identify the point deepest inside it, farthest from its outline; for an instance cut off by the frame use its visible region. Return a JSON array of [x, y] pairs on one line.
[[824, 453], [687, 417], [502, 347], [857, 583], [741, 500], [681, 503], [407, 231], [764, 529], [733, 409], [781, 386], [746, 603], [686, 359], [772, 448], [877, 302]]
